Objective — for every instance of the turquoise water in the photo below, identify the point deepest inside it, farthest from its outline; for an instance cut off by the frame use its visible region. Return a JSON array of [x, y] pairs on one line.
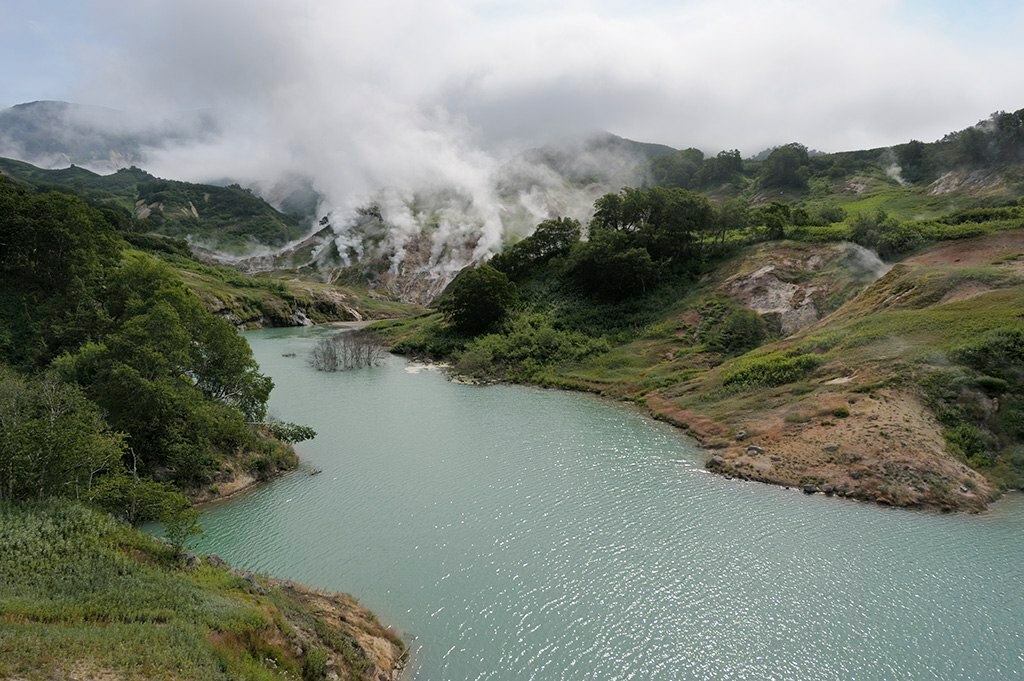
[[518, 533]]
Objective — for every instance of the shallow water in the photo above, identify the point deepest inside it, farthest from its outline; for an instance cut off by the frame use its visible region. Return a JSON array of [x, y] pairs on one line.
[[518, 533]]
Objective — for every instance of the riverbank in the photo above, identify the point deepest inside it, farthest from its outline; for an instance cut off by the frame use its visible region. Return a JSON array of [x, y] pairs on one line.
[[88, 597]]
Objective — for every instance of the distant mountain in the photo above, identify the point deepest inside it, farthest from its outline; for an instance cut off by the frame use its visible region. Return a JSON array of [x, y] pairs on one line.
[[224, 218], [52, 134]]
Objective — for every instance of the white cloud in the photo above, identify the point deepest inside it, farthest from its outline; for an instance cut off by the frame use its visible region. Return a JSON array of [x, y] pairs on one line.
[[416, 95]]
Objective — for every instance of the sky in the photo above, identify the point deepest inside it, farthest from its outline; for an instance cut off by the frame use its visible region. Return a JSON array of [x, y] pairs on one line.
[[715, 75], [438, 97]]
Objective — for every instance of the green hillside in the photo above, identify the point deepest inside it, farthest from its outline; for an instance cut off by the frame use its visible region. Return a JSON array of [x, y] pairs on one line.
[[229, 218]]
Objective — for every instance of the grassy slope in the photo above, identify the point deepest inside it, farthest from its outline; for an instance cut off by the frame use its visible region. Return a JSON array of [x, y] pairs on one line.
[[84, 596]]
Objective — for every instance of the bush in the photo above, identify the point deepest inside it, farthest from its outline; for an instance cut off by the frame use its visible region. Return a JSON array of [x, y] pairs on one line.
[[840, 412], [528, 344], [768, 370], [729, 328], [53, 440], [607, 267], [552, 238], [314, 667]]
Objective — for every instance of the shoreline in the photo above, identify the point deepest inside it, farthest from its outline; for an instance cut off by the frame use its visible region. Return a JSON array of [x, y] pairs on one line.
[[709, 435]]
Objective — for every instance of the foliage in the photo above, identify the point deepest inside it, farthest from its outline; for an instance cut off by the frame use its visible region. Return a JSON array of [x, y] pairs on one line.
[[178, 384], [768, 369], [178, 381], [180, 521], [228, 217], [56, 257], [774, 217], [787, 167], [290, 432], [606, 266], [689, 169], [729, 328], [528, 344], [552, 238], [478, 298], [85, 594], [53, 440]]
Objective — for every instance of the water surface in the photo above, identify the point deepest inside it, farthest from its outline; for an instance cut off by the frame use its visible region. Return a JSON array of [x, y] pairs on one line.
[[518, 533]]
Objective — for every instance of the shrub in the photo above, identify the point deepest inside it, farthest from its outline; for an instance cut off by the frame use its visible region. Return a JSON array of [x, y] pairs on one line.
[[840, 412], [768, 370], [528, 344], [314, 667]]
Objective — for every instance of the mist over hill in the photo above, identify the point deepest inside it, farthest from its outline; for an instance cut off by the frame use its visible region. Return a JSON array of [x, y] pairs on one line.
[[412, 234]]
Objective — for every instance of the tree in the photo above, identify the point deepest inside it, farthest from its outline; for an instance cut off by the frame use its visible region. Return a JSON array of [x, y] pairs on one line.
[[787, 167], [180, 521], [774, 217], [911, 157], [608, 266], [179, 382], [679, 169], [477, 299], [676, 223], [53, 440], [552, 238], [56, 254]]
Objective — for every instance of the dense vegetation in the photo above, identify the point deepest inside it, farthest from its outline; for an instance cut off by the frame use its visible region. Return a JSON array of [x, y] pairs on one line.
[[120, 396], [117, 375]]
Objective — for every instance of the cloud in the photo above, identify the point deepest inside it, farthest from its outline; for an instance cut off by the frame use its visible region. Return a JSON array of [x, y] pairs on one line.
[[426, 96]]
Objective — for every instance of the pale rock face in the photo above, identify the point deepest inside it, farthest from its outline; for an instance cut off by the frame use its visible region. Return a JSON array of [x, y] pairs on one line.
[[763, 292]]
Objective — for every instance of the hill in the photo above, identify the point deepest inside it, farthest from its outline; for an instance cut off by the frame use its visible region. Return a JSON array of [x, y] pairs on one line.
[[55, 134], [229, 218]]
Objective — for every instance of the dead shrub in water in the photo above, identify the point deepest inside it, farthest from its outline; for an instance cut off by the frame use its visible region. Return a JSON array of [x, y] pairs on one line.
[[348, 350]]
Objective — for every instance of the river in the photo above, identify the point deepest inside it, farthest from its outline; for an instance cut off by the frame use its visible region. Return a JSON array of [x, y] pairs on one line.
[[517, 533]]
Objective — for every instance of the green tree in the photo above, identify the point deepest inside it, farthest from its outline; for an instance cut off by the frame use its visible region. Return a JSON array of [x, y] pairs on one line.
[[787, 167], [55, 256], [180, 521], [53, 440], [609, 266], [476, 299], [552, 238], [774, 217]]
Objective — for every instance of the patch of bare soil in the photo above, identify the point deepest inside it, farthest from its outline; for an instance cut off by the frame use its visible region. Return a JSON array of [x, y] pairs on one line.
[[969, 181], [378, 645], [965, 291], [986, 250], [886, 448]]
